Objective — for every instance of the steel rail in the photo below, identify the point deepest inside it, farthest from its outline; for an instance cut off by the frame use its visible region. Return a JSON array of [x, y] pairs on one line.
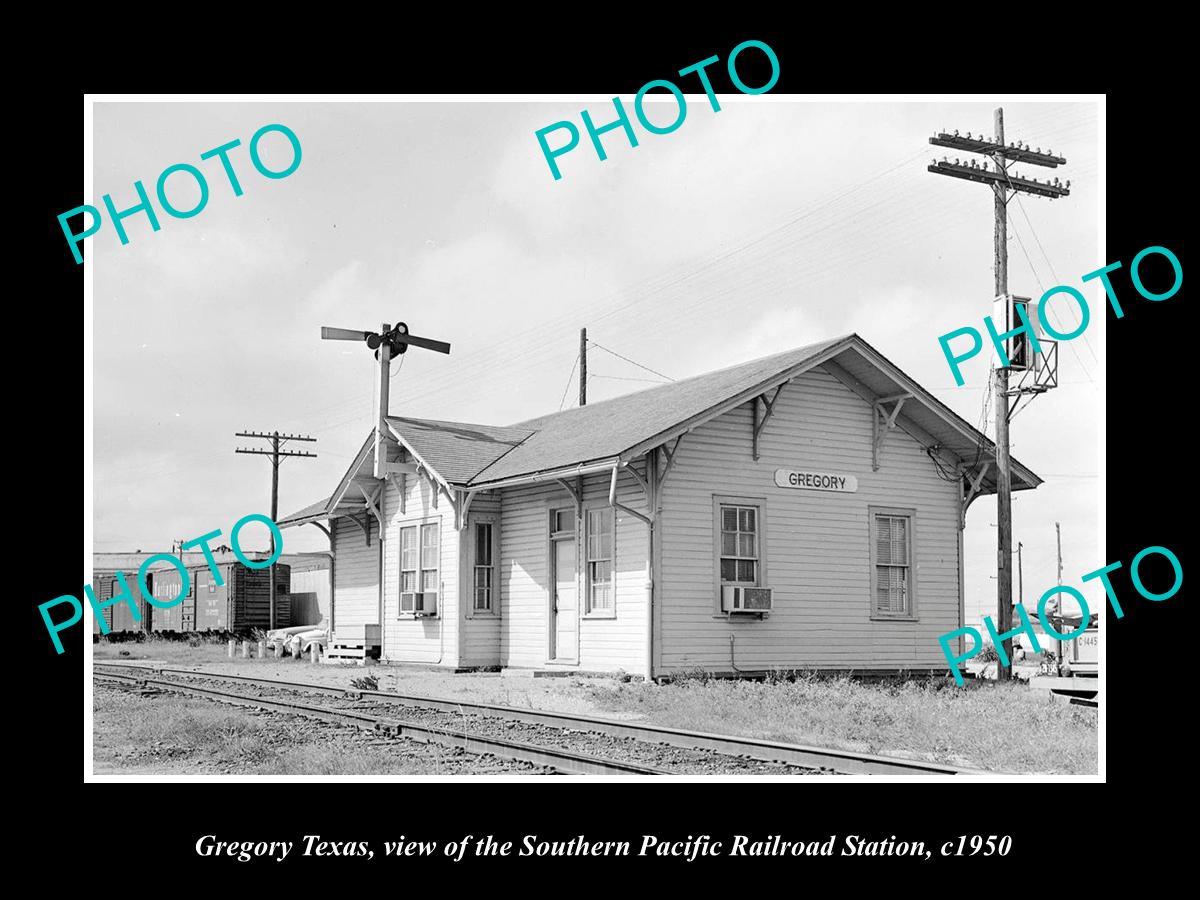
[[842, 762], [564, 761]]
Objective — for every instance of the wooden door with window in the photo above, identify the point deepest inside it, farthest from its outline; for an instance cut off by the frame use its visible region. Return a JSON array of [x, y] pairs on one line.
[[564, 587]]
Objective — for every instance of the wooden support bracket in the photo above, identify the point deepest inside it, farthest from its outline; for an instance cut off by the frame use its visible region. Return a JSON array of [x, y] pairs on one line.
[[671, 456], [365, 525], [633, 512], [576, 496], [400, 468], [462, 508], [372, 501], [759, 424], [639, 479], [882, 422], [433, 483], [612, 497], [973, 491]]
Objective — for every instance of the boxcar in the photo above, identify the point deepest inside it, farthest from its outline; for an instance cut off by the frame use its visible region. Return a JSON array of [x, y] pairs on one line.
[[240, 603], [119, 617]]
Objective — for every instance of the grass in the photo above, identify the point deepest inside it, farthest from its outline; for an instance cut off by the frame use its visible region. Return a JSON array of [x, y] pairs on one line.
[[201, 649], [999, 727], [172, 735]]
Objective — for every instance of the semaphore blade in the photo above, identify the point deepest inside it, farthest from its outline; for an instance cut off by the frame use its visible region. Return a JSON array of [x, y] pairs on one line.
[[427, 343], [342, 334]]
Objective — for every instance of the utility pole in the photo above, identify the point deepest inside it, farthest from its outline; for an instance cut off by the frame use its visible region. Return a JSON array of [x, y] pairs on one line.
[[1002, 183], [583, 367], [1058, 535], [1003, 465], [1058, 538], [277, 441], [1020, 576]]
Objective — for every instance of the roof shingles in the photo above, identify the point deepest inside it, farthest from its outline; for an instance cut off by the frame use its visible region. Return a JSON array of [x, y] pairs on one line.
[[478, 455]]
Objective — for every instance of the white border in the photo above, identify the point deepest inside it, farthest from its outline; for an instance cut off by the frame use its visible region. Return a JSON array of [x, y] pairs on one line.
[[88, 510]]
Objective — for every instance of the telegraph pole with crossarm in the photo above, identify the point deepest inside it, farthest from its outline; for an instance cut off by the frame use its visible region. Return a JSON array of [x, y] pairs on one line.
[[1002, 183], [277, 441]]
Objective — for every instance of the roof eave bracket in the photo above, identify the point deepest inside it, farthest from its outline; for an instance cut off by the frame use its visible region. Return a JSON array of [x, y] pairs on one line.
[[883, 421], [972, 491], [769, 408]]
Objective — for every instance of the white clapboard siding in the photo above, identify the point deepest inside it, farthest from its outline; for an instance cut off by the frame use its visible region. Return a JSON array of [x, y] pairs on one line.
[[817, 543], [428, 639], [356, 574], [605, 644], [481, 631]]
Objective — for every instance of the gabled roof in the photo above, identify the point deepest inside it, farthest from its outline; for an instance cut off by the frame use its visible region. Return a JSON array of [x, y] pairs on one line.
[[620, 429], [611, 427], [346, 499], [313, 513], [456, 450]]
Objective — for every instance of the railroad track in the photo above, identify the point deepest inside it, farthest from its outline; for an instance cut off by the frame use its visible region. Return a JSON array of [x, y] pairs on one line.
[[559, 760], [754, 754]]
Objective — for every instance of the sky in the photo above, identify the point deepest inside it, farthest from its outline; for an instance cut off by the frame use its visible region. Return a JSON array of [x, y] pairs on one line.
[[771, 224]]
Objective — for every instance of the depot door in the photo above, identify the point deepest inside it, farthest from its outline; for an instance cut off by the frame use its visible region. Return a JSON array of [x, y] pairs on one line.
[[564, 579]]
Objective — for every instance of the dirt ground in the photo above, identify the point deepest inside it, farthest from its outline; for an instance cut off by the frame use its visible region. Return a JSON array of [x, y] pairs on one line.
[[564, 694], [165, 734], [984, 725]]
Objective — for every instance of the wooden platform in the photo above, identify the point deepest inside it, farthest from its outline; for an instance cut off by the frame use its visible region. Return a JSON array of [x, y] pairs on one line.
[[353, 645]]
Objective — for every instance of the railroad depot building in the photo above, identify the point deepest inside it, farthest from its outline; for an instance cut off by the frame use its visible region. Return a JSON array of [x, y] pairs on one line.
[[800, 510]]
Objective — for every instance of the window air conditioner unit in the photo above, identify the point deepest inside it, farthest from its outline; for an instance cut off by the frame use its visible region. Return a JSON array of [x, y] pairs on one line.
[[745, 599], [418, 603]]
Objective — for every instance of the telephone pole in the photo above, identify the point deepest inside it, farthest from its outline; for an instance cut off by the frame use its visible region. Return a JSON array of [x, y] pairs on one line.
[[1058, 538], [583, 367], [1002, 184], [1020, 576], [277, 441]]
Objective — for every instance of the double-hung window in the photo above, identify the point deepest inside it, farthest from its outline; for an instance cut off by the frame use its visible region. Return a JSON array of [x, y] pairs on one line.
[[739, 544], [419, 556], [484, 568], [892, 580], [408, 559], [429, 563], [600, 594]]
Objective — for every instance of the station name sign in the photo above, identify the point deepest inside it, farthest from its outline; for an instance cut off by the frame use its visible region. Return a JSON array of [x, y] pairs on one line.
[[816, 481]]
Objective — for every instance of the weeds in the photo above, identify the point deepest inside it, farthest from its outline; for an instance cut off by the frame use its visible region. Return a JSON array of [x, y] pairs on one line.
[[1001, 727]]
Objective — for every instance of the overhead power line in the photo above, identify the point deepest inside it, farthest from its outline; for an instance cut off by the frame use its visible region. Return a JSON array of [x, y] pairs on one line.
[[570, 378], [630, 361]]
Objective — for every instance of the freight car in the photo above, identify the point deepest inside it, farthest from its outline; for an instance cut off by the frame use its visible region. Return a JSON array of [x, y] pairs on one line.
[[241, 603], [119, 616]]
